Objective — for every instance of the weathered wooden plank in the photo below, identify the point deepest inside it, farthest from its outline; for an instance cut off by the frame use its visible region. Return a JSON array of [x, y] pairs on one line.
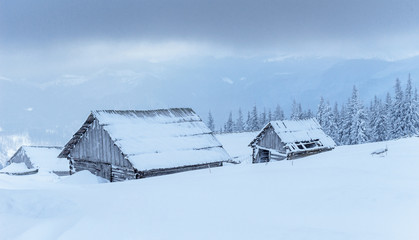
[[159, 172], [21, 173], [122, 174], [100, 169], [96, 145], [61, 173], [271, 140]]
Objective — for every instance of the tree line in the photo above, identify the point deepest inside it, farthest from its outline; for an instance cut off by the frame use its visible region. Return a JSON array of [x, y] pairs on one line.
[[394, 117]]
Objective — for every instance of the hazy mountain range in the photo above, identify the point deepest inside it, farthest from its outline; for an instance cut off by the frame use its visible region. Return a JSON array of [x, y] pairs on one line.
[[51, 108]]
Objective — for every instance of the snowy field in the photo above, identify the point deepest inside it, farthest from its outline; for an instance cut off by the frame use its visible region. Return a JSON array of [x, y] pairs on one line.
[[343, 194]]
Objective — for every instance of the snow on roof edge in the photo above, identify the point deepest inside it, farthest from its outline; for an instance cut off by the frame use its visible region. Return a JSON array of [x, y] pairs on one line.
[[289, 130]]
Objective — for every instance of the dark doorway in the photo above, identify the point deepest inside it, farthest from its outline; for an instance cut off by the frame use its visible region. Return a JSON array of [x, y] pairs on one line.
[[263, 156]]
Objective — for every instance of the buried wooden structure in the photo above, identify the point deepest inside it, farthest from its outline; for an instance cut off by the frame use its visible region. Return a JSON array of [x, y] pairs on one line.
[[123, 145], [39, 158], [288, 139]]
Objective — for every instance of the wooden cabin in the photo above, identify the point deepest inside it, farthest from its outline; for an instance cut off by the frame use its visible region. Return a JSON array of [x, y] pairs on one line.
[[122, 145], [38, 158], [287, 139]]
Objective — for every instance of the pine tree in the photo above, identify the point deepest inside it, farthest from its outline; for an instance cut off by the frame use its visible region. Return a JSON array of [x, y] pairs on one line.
[[278, 113], [229, 124], [320, 112], [254, 121], [263, 119], [296, 113], [335, 129], [269, 115], [358, 120], [397, 112], [300, 112], [327, 119], [239, 126], [248, 125], [416, 107], [378, 121], [409, 117], [346, 124], [308, 114], [388, 107], [210, 122]]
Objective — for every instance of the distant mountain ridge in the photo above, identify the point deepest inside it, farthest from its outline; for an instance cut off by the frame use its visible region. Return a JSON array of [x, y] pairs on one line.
[[51, 109]]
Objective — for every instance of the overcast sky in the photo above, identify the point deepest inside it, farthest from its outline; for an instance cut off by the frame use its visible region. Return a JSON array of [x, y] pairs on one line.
[[46, 39], [51, 44], [357, 28]]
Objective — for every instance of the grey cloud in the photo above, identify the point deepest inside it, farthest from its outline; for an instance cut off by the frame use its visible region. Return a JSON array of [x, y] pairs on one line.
[[242, 24]]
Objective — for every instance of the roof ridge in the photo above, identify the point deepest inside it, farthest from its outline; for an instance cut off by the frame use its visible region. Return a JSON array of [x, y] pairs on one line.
[[39, 146], [143, 110]]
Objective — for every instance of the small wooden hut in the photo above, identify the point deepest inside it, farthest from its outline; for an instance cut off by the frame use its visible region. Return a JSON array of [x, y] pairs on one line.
[[121, 145], [39, 158], [287, 139]]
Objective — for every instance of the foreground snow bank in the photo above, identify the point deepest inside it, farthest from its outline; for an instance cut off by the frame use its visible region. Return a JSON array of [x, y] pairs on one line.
[[346, 193], [83, 177]]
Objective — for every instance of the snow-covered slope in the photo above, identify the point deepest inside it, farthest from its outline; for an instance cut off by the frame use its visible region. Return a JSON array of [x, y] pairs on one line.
[[346, 193], [237, 145]]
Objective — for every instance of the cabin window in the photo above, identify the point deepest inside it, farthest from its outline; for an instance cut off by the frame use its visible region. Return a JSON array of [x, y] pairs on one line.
[[310, 145], [300, 146]]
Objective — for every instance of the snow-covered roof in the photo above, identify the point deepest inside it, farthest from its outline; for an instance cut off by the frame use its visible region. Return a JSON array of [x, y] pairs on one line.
[[163, 138], [15, 168], [299, 135], [43, 158]]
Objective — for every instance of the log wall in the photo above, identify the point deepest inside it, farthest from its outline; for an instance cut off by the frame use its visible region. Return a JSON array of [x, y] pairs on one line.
[[21, 157], [97, 146], [96, 168], [271, 140]]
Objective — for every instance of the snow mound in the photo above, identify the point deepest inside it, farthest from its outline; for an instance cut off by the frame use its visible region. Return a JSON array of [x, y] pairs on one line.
[[83, 177], [39, 204], [16, 168]]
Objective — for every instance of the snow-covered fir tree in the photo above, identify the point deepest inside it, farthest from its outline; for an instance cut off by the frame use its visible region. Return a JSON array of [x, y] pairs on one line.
[[278, 113], [378, 121], [239, 126], [396, 119], [307, 114], [335, 133], [320, 112], [358, 118], [388, 107], [254, 120], [416, 106], [248, 124], [296, 112], [346, 124], [263, 119], [327, 119], [410, 114], [210, 122], [228, 128]]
